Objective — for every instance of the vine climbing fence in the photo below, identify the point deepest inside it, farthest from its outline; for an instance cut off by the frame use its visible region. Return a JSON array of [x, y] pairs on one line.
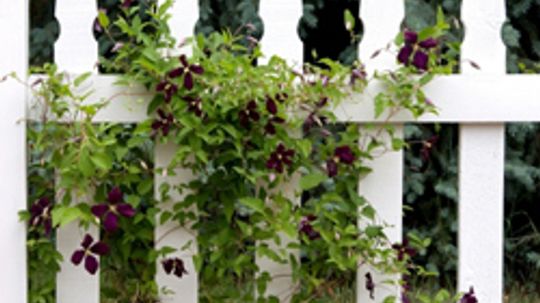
[[481, 101]]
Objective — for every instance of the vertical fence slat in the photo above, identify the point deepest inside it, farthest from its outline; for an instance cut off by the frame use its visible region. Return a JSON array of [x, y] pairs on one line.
[[185, 289], [185, 14], [382, 20], [76, 50], [73, 283], [280, 37], [14, 20], [481, 164]]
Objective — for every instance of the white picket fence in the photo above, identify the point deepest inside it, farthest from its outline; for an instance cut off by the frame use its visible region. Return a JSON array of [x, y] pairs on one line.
[[481, 101]]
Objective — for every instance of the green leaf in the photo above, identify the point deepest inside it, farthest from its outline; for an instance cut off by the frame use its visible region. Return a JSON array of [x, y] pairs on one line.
[[312, 180], [81, 78], [349, 20], [254, 204], [62, 216], [102, 161], [103, 19]]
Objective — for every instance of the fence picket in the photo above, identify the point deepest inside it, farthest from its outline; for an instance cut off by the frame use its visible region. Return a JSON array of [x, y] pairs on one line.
[[381, 26], [14, 18], [76, 50], [481, 164], [185, 290], [280, 37]]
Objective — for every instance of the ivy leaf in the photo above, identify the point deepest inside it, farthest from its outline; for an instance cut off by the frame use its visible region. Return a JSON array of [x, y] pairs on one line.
[[312, 180]]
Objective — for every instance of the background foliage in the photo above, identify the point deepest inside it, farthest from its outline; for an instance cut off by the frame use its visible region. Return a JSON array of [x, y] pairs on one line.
[[431, 190]]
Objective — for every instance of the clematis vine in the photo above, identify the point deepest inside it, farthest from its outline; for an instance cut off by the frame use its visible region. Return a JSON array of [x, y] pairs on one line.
[[342, 154], [404, 250], [305, 227], [40, 213], [89, 252], [110, 211], [167, 88], [163, 122], [175, 266], [187, 70], [279, 158], [417, 51], [249, 113], [272, 108]]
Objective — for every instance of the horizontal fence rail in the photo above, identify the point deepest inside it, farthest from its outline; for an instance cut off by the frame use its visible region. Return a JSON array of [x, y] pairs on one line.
[[480, 100]]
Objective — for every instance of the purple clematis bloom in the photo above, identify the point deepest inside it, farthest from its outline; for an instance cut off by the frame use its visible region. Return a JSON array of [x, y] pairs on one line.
[[127, 3], [272, 108], [89, 253], [168, 89], [404, 250], [187, 70], [175, 266], [249, 114], [342, 154], [418, 51], [110, 211], [278, 158], [194, 105], [307, 229], [163, 122], [469, 297], [40, 213], [370, 286]]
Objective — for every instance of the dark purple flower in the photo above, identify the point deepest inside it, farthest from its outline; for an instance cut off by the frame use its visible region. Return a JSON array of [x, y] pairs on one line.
[[357, 74], [40, 213], [175, 266], [419, 51], [342, 154], [89, 253], [194, 105], [187, 70], [469, 297], [405, 298], [272, 108], [280, 156], [249, 114], [127, 3], [110, 211], [305, 227], [282, 97], [163, 122], [427, 146], [168, 89], [370, 286], [404, 250]]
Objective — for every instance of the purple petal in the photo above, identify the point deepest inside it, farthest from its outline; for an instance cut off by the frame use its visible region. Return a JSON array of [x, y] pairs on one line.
[[331, 168], [36, 210], [429, 43], [270, 129], [168, 265], [183, 60], [126, 210], [161, 86], [87, 241], [77, 257], [115, 195], [177, 72], [44, 202], [345, 154], [111, 222], [188, 81], [410, 37], [91, 264], [405, 54], [100, 248], [271, 106], [420, 60], [199, 70], [47, 225], [127, 3], [99, 210]]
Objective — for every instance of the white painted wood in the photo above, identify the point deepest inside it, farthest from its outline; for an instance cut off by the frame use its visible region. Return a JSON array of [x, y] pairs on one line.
[[76, 50], [282, 286], [14, 20], [74, 283], [382, 20], [481, 161], [381, 26], [280, 37], [459, 98], [185, 14], [173, 235], [387, 170]]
